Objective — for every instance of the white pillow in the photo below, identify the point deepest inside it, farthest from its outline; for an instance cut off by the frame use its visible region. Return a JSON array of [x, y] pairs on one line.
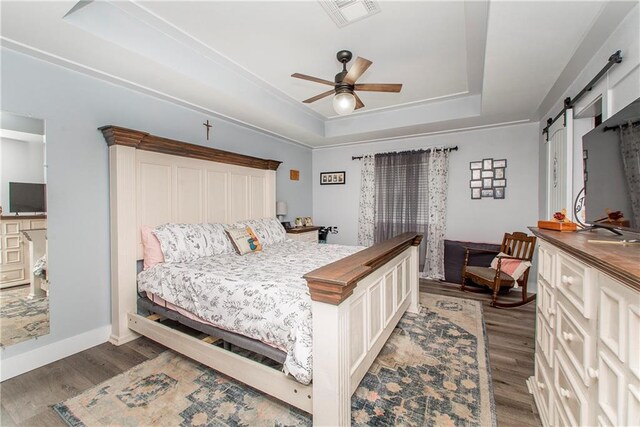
[[188, 242]]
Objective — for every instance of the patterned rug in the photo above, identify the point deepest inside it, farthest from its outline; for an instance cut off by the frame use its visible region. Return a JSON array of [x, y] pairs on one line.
[[22, 318], [434, 370]]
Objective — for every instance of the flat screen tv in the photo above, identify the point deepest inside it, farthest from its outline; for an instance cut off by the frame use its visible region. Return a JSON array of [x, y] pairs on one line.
[[612, 171], [27, 197]]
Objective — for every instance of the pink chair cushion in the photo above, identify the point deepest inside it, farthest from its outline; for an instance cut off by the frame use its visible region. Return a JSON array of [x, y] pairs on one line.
[[152, 252]]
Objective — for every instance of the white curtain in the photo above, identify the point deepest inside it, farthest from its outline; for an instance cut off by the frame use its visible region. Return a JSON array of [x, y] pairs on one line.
[[366, 211], [437, 218], [630, 151]]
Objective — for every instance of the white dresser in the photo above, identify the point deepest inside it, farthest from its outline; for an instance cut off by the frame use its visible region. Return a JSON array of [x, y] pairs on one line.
[[14, 252], [587, 358], [304, 234]]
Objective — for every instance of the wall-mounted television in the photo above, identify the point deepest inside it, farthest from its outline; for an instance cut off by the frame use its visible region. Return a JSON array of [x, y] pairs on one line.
[[611, 167], [27, 197]]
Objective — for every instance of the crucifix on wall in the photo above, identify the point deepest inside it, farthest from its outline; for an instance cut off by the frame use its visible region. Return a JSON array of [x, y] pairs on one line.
[[208, 126]]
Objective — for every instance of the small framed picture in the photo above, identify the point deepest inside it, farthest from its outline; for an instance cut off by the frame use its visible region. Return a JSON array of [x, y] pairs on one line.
[[487, 174], [475, 165], [487, 183], [487, 164], [502, 163], [332, 178], [475, 174], [498, 193], [299, 222], [475, 184], [475, 193], [308, 222], [487, 192], [499, 182], [498, 173]]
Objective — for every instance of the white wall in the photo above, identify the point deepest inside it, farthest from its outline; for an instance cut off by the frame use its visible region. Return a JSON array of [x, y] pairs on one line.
[[617, 89], [73, 106], [484, 220], [20, 161]]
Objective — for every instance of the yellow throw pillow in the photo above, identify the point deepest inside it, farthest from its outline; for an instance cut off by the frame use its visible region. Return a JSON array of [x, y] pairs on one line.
[[244, 240]]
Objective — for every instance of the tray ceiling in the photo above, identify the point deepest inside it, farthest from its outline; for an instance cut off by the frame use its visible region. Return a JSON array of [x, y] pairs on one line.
[[462, 64]]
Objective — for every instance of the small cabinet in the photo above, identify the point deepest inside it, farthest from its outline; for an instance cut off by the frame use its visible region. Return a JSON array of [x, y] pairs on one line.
[[303, 234]]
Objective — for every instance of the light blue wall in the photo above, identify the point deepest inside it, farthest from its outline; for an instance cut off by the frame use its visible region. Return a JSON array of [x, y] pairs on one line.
[[74, 106]]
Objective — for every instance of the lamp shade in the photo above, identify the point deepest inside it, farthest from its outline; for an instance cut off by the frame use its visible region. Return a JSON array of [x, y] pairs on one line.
[[344, 103], [281, 208]]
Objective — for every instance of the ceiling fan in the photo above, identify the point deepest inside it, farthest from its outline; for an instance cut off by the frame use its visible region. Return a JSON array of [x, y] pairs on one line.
[[344, 87]]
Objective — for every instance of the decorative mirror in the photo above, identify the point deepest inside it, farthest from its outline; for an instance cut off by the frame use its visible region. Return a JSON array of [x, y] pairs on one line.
[[24, 284]]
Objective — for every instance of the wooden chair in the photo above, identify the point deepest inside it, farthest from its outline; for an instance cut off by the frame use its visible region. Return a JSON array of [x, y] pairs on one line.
[[518, 246]]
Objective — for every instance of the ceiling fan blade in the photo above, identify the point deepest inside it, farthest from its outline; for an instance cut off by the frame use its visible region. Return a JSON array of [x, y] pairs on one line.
[[379, 87], [359, 103], [312, 79], [356, 70], [322, 95]]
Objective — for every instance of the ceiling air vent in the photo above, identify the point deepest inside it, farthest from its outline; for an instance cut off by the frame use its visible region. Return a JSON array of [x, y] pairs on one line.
[[345, 12]]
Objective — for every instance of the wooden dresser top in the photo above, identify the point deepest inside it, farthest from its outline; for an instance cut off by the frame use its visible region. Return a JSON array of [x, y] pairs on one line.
[[619, 261]]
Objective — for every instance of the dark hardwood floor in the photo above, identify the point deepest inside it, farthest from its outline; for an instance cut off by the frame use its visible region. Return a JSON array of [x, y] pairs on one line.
[[26, 400]]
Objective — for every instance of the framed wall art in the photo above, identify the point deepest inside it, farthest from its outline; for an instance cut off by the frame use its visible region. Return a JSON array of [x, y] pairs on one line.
[[333, 178], [488, 178]]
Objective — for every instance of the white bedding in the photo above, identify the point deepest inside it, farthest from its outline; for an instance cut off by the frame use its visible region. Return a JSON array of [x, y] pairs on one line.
[[261, 295]]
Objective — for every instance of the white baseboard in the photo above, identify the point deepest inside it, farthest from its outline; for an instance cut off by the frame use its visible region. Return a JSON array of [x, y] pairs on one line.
[[30, 360]]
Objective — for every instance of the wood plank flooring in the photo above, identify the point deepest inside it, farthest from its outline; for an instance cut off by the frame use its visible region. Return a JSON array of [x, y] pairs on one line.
[[26, 400]]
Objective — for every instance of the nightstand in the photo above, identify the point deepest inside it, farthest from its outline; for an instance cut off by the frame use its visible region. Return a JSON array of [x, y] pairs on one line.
[[304, 234]]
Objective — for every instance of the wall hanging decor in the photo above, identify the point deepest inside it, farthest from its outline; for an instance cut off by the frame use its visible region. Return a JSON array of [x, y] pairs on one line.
[[488, 179], [332, 178]]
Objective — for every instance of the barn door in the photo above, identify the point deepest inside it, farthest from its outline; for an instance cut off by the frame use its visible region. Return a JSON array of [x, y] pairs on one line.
[[560, 166]]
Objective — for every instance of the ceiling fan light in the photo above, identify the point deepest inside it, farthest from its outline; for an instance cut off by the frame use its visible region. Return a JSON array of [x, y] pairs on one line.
[[344, 103]]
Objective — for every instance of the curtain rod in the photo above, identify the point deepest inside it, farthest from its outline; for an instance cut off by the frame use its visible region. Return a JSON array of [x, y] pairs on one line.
[[616, 58], [607, 128], [426, 150]]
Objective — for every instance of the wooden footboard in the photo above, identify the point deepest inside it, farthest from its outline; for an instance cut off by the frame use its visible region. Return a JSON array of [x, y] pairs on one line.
[[357, 302]]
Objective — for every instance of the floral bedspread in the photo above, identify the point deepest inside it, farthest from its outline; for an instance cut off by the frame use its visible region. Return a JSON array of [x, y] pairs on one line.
[[261, 295]]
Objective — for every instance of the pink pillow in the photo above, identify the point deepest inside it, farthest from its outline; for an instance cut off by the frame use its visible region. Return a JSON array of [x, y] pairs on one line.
[[151, 250], [513, 267]]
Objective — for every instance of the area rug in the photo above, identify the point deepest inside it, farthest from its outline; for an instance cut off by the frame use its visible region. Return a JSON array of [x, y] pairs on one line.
[[22, 318], [434, 370]]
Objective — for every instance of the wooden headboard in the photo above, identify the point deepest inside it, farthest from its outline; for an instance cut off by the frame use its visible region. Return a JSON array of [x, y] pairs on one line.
[[156, 180]]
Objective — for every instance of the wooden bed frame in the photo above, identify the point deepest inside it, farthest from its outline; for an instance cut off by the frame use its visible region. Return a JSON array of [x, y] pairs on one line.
[[356, 301]]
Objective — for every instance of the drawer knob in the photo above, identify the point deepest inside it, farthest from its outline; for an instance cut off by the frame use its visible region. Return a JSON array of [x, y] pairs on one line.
[[550, 310], [567, 336], [593, 373], [565, 393], [566, 280], [541, 386]]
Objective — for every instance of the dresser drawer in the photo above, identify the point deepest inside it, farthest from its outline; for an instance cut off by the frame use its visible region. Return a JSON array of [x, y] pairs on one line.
[[35, 224], [544, 389], [545, 263], [11, 226], [546, 302], [13, 275], [572, 402], [544, 341], [612, 390], [577, 343], [309, 236], [577, 283]]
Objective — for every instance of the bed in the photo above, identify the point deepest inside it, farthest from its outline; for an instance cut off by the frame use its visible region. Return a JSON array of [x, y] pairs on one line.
[[355, 296]]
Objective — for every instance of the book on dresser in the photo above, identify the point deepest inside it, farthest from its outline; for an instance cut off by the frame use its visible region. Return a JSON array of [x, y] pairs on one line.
[[587, 356]]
